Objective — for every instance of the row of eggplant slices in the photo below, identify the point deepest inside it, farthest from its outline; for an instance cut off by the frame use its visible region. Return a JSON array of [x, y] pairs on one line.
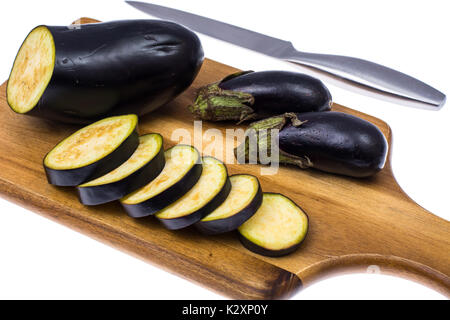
[[107, 161]]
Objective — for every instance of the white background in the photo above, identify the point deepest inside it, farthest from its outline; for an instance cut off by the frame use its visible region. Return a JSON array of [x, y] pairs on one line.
[[41, 259]]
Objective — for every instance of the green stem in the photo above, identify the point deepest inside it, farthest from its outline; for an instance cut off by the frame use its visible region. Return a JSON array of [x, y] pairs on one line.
[[263, 130], [215, 104]]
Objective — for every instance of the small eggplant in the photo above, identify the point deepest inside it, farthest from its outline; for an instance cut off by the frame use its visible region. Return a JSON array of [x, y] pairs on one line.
[[329, 141], [255, 95]]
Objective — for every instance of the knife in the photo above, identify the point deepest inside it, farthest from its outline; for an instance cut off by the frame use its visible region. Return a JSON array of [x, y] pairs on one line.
[[368, 74]]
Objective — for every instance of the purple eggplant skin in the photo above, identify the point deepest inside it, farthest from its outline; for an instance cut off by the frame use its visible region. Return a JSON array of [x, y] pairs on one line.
[[100, 194], [336, 142], [277, 92], [118, 67], [75, 177], [233, 222]]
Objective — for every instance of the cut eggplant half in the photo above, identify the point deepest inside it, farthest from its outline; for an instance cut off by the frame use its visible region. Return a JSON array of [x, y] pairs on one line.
[[92, 151], [205, 196], [143, 166], [244, 200], [276, 229], [84, 74], [181, 172]]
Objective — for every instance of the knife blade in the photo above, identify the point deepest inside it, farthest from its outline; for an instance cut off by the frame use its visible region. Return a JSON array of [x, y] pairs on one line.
[[361, 72]]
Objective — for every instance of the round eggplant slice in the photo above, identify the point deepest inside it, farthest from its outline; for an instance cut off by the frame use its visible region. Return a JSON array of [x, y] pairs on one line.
[[181, 172], [92, 151], [276, 229], [143, 166], [83, 74], [254, 95], [205, 196], [241, 204]]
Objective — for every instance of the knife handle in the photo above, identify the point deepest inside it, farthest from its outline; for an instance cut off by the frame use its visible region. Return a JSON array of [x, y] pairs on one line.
[[372, 75]]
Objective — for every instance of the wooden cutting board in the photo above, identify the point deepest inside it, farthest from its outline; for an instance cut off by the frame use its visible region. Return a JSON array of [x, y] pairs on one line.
[[364, 225]]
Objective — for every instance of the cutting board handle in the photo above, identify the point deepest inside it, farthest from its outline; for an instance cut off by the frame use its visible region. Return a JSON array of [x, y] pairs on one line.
[[415, 245]]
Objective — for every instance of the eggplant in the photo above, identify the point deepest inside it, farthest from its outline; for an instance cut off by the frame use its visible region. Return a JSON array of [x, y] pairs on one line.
[[144, 165], [255, 95], [276, 229], [92, 151], [333, 142], [82, 74], [244, 200], [205, 196], [181, 172]]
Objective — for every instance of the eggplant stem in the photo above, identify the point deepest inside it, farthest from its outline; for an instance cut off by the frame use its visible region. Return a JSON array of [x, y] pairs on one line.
[[295, 121], [264, 129], [277, 122], [215, 104], [301, 162]]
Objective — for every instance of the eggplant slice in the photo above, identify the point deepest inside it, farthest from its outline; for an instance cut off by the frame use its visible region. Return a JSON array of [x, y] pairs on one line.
[[241, 204], [92, 151], [276, 229], [181, 172], [143, 166], [205, 196]]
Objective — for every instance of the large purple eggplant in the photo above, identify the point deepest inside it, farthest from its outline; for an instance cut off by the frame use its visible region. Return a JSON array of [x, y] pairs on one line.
[[85, 73]]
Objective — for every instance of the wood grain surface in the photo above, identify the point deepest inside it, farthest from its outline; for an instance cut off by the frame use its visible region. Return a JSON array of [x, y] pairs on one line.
[[356, 225]]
